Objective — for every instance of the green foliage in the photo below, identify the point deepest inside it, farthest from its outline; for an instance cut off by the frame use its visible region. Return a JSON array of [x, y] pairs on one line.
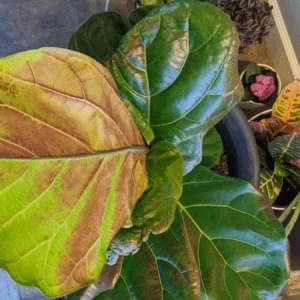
[[155, 211], [212, 149], [100, 36], [176, 72], [231, 231], [286, 147], [178, 77]]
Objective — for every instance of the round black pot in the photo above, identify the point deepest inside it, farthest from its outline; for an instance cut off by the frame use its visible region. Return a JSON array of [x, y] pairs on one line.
[[240, 147]]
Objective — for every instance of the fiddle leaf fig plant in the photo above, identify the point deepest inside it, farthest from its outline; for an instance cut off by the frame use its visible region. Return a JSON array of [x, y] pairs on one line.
[[164, 57], [95, 200]]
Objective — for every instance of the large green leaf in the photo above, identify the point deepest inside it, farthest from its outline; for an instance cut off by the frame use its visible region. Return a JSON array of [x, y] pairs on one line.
[[155, 211], [72, 167], [240, 246], [212, 148], [286, 147], [179, 67], [164, 268]]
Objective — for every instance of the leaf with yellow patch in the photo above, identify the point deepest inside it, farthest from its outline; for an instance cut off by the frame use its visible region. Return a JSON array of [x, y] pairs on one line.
[[72, 167], [287, 105]]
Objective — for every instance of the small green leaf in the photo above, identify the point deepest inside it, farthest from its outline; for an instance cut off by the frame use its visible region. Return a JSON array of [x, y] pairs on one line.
[[155, 210], [212, 149], [239, 244], [100, 36], [286, 147], [251, 70], [270, 184]]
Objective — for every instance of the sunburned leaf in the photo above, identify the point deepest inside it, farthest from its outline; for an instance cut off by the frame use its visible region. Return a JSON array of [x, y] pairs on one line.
[[270, 184], [72, 167], [212, 149], [155, 211], [287, 105], [162, 64], [286, 147], [239, 245], [109, 277]]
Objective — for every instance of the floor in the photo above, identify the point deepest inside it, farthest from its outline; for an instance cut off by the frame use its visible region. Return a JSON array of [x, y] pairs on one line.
[[39, 23]]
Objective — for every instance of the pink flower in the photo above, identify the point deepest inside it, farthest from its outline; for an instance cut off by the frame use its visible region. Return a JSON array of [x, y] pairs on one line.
[[263, 87], [296, 163]]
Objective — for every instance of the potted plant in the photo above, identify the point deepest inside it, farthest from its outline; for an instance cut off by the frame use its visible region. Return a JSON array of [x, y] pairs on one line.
[[102, 181], [262, 86], [278, 136]]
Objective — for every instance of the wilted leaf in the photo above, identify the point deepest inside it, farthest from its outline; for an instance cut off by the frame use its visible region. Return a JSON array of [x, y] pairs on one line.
[[286, 147], [164, 268], [100, 36], [179, 67], [155, 211], [240, 246], [109, 277], [287, 105], [212, 148], [270, 184], [72, 168]]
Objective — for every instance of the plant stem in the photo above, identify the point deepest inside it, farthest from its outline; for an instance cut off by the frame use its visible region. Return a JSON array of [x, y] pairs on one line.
[[289, 209], [294, 218]]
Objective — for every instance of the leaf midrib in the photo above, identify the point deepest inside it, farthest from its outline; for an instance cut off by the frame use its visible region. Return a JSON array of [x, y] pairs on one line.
[[103, 153]]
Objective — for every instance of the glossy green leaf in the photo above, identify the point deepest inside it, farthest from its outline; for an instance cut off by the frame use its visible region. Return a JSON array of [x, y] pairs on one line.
[[100, 36], [178, 66], [164, 268], [156, 208], [286, 147], [239, 244], [155, 211], [72, 167], [270, 184], [212, 148]]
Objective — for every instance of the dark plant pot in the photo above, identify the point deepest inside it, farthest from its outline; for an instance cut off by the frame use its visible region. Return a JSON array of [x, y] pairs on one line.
[[240, 147]]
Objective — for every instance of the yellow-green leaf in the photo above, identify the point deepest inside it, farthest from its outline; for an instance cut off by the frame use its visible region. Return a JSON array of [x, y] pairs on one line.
[[72, 166], [287, 105]]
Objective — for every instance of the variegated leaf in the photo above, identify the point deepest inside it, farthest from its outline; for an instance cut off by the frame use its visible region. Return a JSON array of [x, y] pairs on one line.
[[287, 105]]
